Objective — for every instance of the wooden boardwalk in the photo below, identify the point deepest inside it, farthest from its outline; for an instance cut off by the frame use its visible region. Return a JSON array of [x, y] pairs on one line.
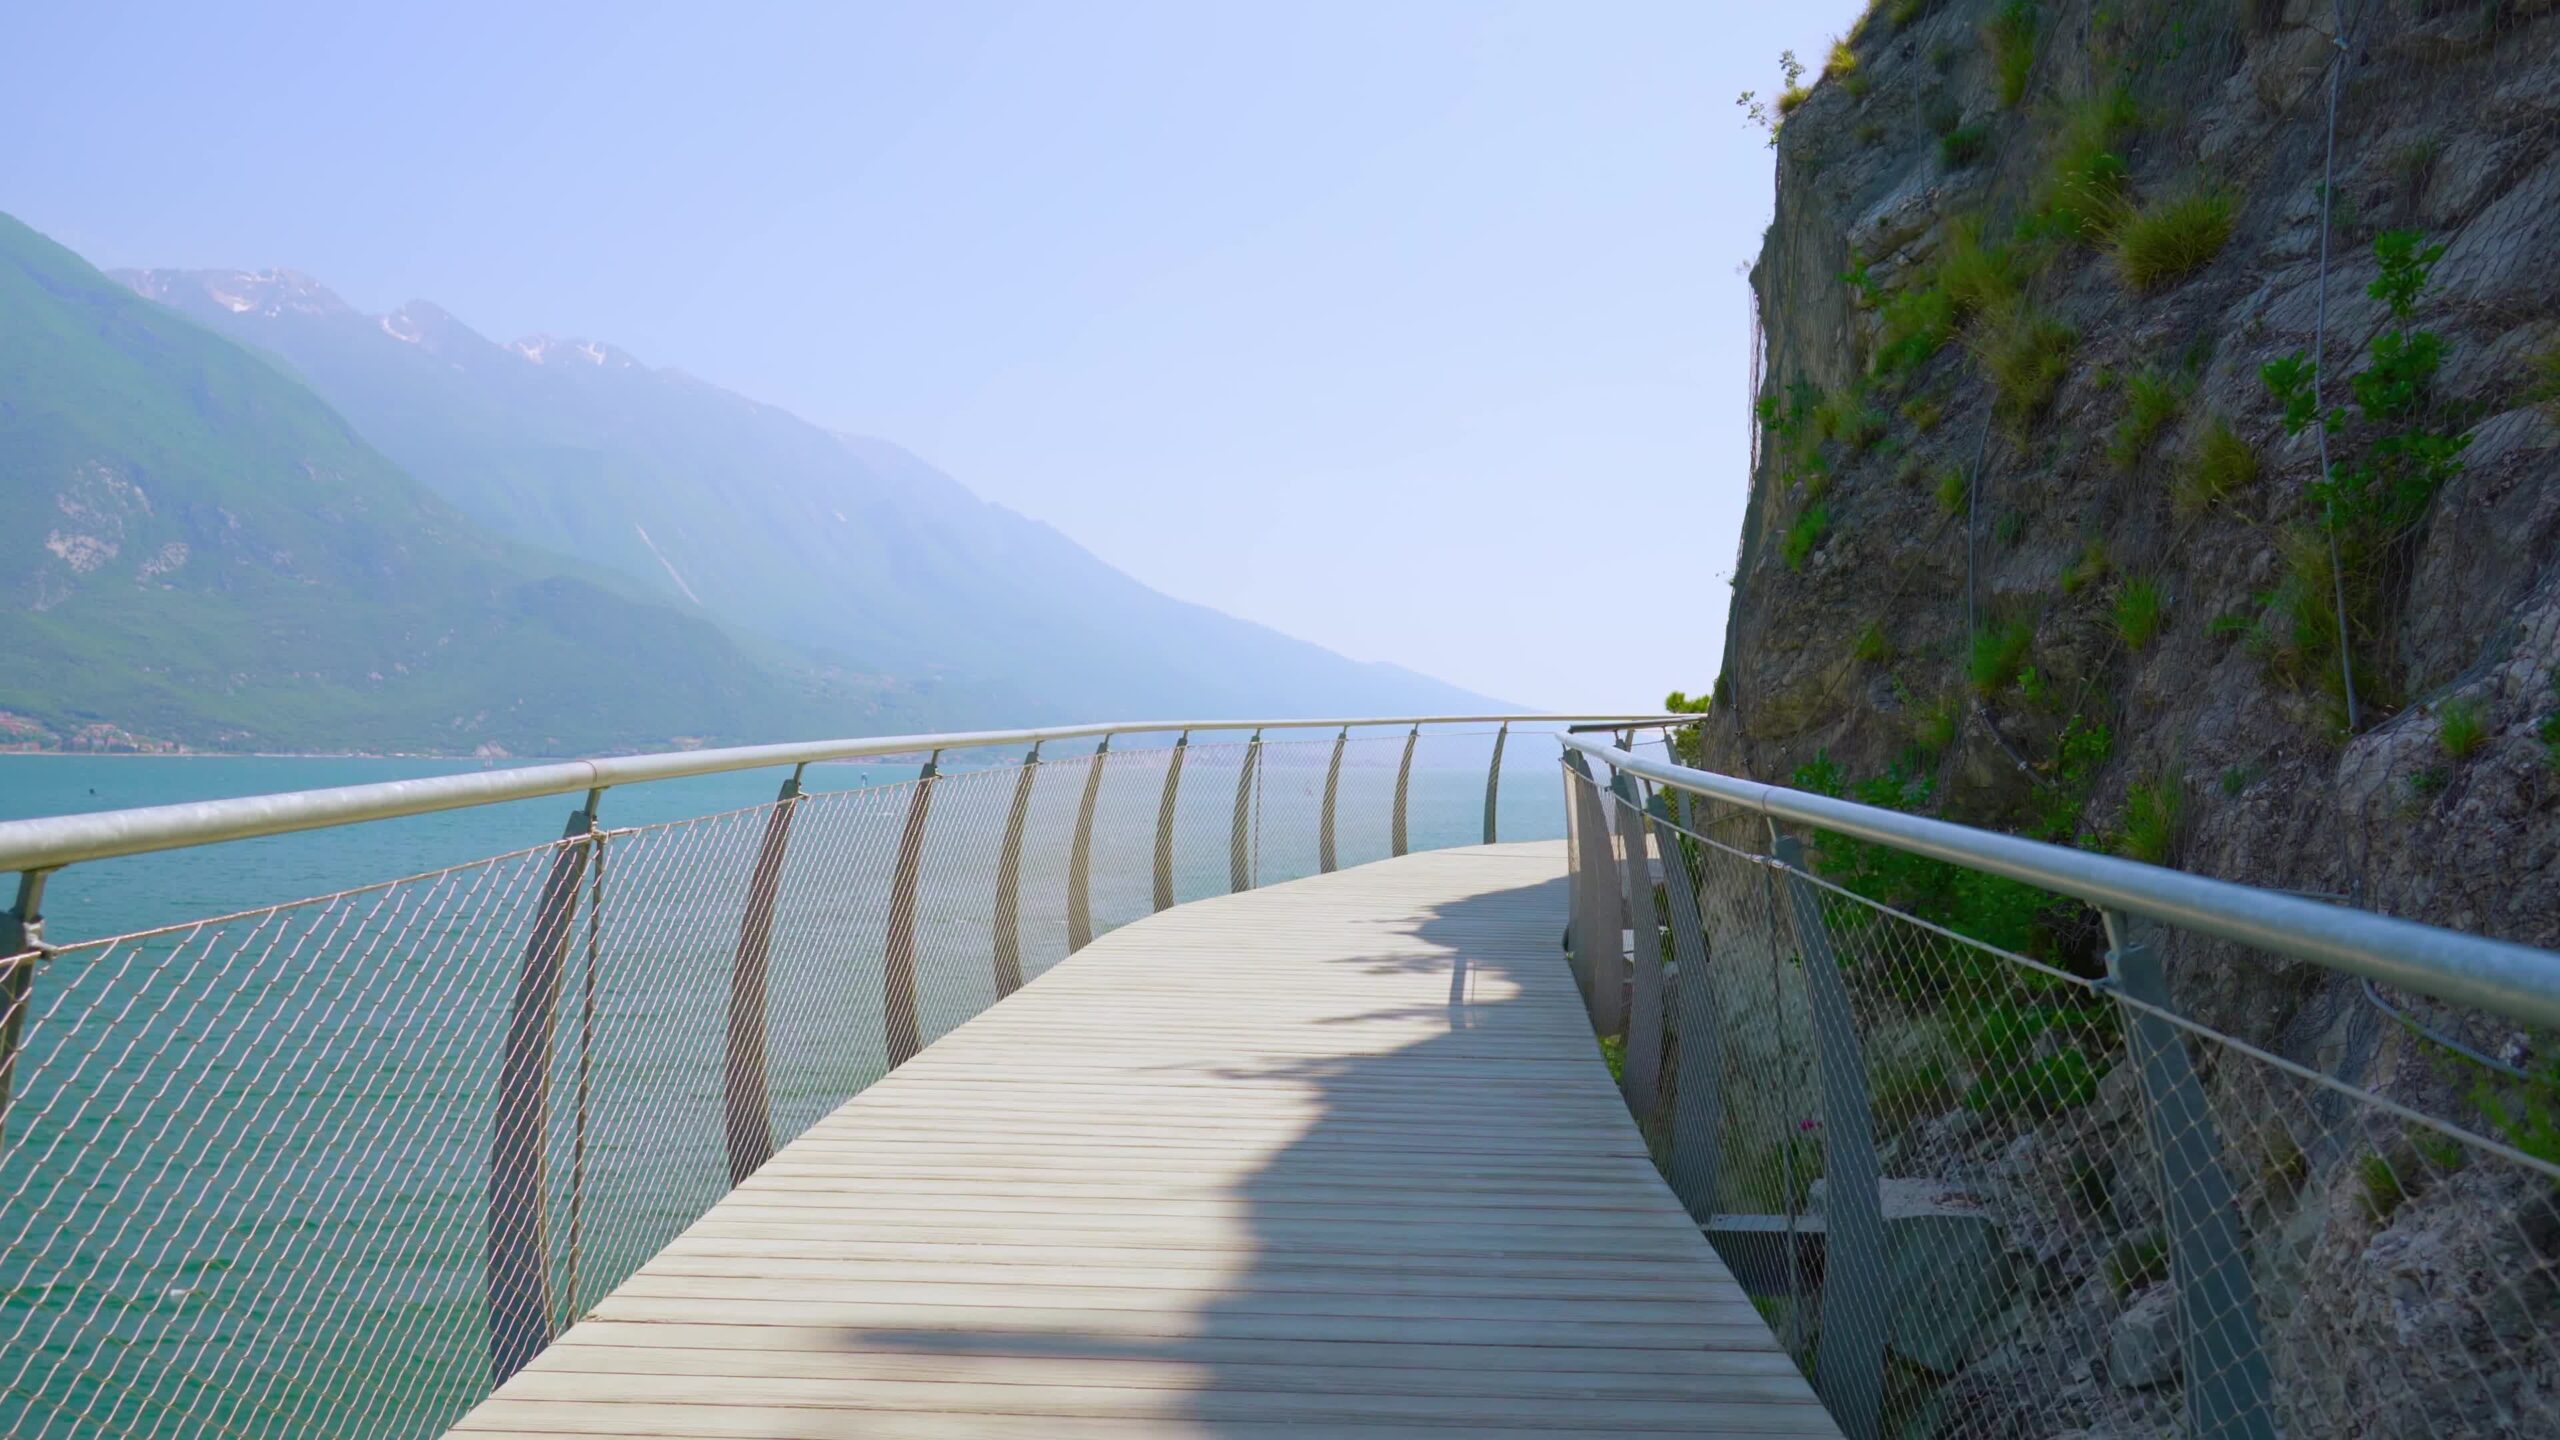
[[1333, 1158]]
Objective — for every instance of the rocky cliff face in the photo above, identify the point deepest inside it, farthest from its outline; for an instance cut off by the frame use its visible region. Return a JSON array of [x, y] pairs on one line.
[[2041, 537], [2075, 498]]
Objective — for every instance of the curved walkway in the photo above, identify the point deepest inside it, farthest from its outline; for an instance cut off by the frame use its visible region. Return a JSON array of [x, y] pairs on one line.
[[1333, 1158]]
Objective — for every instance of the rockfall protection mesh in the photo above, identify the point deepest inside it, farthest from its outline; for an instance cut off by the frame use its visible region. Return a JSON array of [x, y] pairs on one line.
[[2071, 1206]]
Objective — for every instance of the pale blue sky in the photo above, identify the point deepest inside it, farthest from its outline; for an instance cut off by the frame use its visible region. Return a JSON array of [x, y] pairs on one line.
[[1411, 328]]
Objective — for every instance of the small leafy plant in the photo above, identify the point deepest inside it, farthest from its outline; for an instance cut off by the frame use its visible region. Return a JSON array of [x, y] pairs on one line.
[[1768, 116], [2389, 457], [2400, 459]]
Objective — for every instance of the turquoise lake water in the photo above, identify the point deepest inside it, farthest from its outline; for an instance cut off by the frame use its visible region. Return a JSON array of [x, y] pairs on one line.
[[244, 1190]]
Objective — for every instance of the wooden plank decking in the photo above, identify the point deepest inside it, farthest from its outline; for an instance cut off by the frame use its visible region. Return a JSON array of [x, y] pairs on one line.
[[1332, 1158]]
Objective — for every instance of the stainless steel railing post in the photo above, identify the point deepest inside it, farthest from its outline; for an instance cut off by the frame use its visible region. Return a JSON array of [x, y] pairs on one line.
[[1596, 957], [898, 1019], [1080, 858], [1332, 790], [1641, 1077], [519, 1270], [1697, 1114], [747, 1095], [1239, 830], [1008, 908], [2225, 1360], [1856, 1298], [1164, 822], [1404, 782], [21, 951]]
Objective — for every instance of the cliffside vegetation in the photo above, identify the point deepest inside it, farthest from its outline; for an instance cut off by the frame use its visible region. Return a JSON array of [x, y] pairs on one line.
[[2057, 523], [2158, 452]]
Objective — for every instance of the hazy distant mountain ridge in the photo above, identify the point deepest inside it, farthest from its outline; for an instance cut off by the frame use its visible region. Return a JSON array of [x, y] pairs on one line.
[[195, 548], [849, 551]]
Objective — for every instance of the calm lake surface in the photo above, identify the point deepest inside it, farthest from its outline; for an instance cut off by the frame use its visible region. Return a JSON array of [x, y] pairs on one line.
[[245, 1189]]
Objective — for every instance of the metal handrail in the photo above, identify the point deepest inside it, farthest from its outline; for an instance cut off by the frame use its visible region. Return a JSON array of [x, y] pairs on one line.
[[2518, 981], [51, 842]]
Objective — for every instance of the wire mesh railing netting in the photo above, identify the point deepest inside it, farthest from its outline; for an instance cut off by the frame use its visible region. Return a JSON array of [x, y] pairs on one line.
[[246, 1185], [2099, 1214]]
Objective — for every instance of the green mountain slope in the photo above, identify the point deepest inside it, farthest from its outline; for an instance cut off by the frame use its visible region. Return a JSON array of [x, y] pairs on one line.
[[195, 548], [851, 552]]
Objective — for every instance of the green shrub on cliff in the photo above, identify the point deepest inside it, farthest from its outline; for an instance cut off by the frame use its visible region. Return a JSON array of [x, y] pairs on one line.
[[2389, 457]]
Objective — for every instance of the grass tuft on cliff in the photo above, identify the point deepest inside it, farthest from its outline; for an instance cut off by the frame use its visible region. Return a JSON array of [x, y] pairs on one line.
[[1977, 275], [1963, 145], [1999, 655], [2461, 728], [1952, 487], [2010, 37], [2219, 465], [2151, 401], [2082, 189], [2150, 830], [1806, 533], [2171, 239], [2139, 606], [2025, 351]]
